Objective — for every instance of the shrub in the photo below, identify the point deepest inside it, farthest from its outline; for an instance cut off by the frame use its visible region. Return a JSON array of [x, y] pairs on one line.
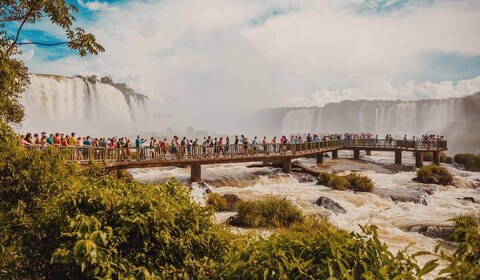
[[429, 157], [217, 202], [333, 181], [316, 250], [468, 161], [464, 263], [432, 174], [360, 183], [356, 182], [270, 212], [449, 160], [58, 221]]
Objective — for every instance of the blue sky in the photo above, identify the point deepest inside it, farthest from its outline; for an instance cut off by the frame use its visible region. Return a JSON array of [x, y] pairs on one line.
[[279, 50]]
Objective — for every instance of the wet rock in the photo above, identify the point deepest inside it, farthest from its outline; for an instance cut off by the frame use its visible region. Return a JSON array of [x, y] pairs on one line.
[[304, 177], [469, 198], [403, 195], [330, 204], [433, 231], [234, 221], [231, 199]]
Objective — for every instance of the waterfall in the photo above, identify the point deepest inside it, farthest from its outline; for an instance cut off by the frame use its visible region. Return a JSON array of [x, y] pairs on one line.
[[85, 106], [379, 117], [299, 121]]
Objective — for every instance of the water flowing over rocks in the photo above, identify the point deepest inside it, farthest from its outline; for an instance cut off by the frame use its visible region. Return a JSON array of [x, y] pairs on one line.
[[415, 195], [330, 204], [441, 231]]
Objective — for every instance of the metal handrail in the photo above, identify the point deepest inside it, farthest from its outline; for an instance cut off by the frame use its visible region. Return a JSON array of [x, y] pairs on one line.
[[106, 154]]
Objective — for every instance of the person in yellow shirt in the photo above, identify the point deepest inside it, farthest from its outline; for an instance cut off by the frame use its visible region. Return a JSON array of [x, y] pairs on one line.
[[72, 140]]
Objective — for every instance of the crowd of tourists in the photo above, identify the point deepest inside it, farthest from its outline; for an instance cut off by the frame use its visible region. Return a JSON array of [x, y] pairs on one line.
[[208, 146]]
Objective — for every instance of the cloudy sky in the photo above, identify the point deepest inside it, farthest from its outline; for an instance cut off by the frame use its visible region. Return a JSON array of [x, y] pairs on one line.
[[230, 56]]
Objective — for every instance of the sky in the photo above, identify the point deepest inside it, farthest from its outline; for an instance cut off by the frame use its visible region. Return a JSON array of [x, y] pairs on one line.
[[205, 59]]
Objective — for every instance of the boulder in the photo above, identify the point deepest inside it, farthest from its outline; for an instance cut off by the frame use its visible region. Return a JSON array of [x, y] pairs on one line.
[[235, 221], [330, 204], [470, 199]]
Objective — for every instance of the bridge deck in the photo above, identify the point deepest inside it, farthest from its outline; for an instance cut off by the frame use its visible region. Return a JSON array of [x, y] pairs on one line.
[[125, 158]]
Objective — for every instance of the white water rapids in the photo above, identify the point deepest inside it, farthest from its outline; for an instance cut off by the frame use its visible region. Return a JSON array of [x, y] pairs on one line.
[[393, 218]]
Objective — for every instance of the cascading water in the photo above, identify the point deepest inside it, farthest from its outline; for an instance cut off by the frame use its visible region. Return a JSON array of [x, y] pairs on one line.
[[395, 117], [62, 104], [299, 121]]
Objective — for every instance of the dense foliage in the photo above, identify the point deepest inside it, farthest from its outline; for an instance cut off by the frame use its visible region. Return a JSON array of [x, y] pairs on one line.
[[58, 221], [464, 263], [468, 161], [352, 181], [432, 174], [217, 202], [270, 212], [316, 250]]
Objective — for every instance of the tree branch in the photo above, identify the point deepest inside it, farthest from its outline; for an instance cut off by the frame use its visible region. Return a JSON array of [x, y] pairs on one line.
[[32, 9], [44, 44]]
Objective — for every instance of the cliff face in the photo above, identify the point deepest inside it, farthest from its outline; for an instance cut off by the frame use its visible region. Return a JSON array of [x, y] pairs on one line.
[[458, 119]]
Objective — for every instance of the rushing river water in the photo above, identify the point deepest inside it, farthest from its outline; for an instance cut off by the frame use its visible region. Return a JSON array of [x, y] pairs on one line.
[[397, 205]]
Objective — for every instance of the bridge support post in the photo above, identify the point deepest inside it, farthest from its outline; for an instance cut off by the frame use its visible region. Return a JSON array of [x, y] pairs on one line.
[[287, 165], [356, 154], [319, 158], [436, 158], [418, 159], [368, 152], [196, 173], [398, 156], [335, 154]]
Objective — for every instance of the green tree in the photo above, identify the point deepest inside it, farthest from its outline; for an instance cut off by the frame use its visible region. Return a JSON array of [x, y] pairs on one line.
[[13, 72]]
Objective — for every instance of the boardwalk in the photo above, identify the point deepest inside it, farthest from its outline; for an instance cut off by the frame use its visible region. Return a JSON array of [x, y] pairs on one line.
[[195, 156]]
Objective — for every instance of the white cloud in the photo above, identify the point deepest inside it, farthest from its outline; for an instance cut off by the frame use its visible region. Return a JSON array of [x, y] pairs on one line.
[[207, 60], [409, 91], [94, 5]]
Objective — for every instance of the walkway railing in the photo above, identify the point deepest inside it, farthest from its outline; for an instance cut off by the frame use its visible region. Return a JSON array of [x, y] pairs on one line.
[[104, 154]]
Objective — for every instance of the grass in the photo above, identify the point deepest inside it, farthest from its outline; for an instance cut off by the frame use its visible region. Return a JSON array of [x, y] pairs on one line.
[[469, 161], [270, 212], [333, 181], [360, 183], [432, 174], [353, 181], [218, 202]]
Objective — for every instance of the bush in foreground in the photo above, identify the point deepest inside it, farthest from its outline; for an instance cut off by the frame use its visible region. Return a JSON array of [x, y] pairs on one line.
[[316, 250], [270, 212], [464, 263], [59, 221], [217, 202], [468, 161], [432, 174]]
